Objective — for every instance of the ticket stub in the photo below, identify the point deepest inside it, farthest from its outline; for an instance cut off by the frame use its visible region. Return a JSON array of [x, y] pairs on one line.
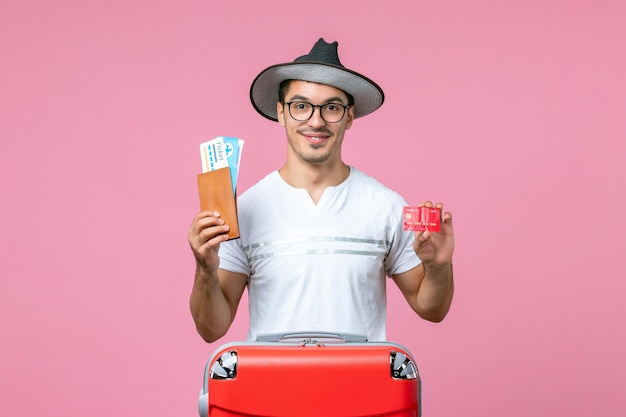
[[213, 155], [422, 219], [222, 152]]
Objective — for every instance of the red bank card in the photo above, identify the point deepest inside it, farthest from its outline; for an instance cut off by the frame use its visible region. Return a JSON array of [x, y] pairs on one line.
[[421, 219]]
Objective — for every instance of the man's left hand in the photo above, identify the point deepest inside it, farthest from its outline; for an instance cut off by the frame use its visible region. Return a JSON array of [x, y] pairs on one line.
[[436, 248]]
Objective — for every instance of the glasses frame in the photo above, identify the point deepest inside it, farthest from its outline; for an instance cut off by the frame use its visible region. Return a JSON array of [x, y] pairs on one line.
[[313, 106]]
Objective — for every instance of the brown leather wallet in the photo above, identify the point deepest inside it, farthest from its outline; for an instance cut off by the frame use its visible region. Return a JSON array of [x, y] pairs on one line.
[[216, 193]]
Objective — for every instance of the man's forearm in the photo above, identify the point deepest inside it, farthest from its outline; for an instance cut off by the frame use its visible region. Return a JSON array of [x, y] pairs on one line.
[[436, 292], [209, 307]]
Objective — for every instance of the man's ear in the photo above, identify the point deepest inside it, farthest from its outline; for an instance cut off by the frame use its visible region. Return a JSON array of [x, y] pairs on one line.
[[350, 117], [280, 113]]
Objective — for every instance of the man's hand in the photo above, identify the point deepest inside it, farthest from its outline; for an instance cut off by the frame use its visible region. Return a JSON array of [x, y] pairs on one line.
[[205, 235], [436, 248]]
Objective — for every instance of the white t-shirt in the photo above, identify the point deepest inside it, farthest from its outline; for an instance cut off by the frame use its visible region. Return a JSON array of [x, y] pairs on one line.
[[319, 267]]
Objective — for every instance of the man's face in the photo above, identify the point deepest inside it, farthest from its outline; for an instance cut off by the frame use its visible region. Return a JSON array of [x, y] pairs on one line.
[[315, 140]]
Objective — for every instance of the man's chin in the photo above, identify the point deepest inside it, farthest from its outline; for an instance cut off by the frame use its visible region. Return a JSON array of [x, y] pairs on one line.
[[315, 159]]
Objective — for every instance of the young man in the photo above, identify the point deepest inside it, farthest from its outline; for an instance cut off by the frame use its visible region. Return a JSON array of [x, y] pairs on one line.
[[318, 237]]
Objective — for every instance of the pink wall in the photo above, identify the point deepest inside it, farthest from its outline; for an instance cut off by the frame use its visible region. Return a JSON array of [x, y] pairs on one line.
[[512, 113]]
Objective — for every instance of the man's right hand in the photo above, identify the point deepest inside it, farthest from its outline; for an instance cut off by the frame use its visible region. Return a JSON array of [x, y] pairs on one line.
[[205, 235]]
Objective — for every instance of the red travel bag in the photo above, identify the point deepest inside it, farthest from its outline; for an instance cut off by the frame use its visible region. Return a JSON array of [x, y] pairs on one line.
[[311, 374]]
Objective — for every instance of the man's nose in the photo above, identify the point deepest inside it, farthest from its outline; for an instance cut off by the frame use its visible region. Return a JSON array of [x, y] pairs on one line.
[[316, 118]]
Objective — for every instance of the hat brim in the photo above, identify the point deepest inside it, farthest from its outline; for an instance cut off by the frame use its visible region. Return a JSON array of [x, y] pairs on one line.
[[368, 96]]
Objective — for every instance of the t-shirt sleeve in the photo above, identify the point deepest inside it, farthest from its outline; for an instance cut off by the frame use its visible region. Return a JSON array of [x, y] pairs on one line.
[[233, 258], [401, 257]]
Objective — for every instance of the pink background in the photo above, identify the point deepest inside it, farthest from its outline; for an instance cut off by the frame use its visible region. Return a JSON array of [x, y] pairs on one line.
[[512, 113]]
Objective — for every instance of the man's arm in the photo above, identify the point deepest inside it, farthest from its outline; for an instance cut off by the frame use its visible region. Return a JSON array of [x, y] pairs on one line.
[[216, 293], [429, 291], [214, 300], [429, 287]]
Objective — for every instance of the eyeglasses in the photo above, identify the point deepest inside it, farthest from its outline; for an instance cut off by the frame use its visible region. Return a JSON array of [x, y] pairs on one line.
[[303, 110]]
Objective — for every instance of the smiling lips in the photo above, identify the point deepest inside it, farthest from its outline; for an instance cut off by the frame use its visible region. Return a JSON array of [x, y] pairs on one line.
[[315, 137]]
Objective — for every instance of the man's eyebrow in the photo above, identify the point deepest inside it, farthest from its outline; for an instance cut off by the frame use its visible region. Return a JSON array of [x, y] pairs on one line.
[[329, 100]]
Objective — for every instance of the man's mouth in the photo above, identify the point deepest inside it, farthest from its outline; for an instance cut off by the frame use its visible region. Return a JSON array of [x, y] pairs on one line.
[[315, 137]]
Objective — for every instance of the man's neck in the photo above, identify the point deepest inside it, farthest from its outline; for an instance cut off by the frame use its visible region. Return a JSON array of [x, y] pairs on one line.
[[314, 178]]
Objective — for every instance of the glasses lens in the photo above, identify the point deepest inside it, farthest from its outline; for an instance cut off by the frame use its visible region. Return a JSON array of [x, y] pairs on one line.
[[300, 110], [332, 112]]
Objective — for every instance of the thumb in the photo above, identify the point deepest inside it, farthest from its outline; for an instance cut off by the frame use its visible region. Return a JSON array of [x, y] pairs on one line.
[[422, 237]]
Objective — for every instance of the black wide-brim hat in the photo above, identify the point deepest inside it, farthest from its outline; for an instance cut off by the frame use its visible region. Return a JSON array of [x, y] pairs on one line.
[[322, 66]]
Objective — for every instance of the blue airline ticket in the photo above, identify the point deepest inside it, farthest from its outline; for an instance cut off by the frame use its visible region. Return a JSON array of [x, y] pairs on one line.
[[233, 148]]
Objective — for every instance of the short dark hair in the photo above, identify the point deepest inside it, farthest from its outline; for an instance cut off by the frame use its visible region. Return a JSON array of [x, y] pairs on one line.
[[284, 86]]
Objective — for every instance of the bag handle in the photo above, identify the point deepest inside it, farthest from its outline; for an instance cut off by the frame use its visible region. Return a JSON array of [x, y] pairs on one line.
[[312, 336]]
